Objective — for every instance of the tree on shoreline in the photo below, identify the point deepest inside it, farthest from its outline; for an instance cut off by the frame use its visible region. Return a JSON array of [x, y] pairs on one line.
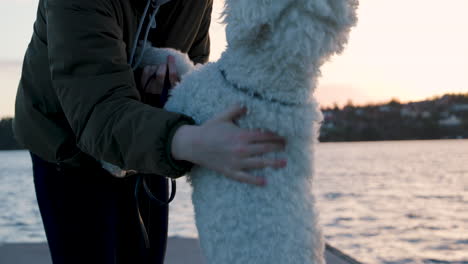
[[7, 139], [435, 118]]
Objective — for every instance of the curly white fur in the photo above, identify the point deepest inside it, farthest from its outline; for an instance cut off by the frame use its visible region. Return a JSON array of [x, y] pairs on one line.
[[275, 49]]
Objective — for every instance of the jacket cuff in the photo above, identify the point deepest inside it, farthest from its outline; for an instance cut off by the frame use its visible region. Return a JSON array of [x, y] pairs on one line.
[[180, 167]]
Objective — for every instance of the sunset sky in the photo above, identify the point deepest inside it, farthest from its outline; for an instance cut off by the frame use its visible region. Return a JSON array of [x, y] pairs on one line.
[[405, 49]]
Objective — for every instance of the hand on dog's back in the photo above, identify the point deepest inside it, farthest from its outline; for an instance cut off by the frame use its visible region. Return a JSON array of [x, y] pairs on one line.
[[220, 145]]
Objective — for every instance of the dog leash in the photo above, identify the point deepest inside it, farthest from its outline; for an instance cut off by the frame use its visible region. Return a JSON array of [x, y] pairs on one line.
[[142, 180], [134, 63], [141, 183]]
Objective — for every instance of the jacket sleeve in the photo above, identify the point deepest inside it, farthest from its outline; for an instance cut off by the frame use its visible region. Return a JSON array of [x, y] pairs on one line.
[[200, 50], [95, 86]]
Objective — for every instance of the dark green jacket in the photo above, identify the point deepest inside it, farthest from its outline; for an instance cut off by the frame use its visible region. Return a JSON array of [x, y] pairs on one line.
[[77, 100]]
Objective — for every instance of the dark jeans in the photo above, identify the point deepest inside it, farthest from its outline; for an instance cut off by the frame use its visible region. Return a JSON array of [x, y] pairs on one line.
[[90, 216]]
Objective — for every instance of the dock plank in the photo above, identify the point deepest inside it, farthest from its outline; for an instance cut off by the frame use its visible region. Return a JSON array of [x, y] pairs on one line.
[[38, 253]]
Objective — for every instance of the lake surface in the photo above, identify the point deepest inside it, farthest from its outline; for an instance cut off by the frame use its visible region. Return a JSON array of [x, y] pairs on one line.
[[381, 202]]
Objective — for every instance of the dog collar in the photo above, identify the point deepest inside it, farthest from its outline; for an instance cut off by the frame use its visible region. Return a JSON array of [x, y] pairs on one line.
[[253, 93]]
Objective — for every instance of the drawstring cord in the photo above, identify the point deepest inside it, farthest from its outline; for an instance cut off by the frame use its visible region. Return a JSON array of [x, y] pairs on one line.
[[151, 24], [137, 35]]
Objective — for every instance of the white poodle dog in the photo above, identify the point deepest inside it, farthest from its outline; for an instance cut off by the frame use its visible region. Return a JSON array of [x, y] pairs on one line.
[[271, 66]]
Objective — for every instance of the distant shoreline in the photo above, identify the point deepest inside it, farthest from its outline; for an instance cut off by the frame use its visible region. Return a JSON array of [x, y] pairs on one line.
[[443, 117], [351, 141]]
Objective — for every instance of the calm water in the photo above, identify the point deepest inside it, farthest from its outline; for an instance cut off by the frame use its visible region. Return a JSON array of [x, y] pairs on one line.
[[381, 202]]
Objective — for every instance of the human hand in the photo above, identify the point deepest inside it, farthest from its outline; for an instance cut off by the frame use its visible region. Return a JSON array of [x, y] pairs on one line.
[[153, 77], [222, 146]]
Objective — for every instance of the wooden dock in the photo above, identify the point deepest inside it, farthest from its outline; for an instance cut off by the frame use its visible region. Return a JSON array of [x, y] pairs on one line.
[[37, 253]]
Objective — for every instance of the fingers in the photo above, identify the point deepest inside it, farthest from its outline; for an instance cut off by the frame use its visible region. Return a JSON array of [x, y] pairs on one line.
[[255, 163], [258, 136], [152, 78], [260, 149], [146, 75], [160, 76], [244, 177], [173, 76], [233, 113]]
